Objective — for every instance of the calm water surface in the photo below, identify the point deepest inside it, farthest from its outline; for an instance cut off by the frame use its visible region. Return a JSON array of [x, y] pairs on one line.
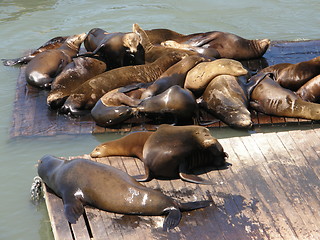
[[28, 24]]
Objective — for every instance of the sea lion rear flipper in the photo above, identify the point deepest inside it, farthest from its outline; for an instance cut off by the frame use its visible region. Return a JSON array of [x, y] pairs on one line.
[[144, 178], [191, 177], [73, 209], [172, 219]]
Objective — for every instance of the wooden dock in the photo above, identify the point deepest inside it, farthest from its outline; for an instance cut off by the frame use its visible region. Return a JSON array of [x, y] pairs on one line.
[[32, 117], [271, 191]]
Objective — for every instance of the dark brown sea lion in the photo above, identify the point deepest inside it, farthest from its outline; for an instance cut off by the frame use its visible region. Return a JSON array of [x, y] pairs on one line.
[[175, 75], [117, 49], [94, 39], [293, 76], [175, 151], [45, 66], [73, 75], [107, 188], [270, 98], [227, 44], [310, 91], [199, 77], [153, 52], [86, 95], [53, 43], [225, 99], [115, 106], [130, 145], [175, 102]]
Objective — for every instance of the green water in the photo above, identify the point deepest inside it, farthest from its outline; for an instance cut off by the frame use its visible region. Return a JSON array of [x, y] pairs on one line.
[[26, 24]]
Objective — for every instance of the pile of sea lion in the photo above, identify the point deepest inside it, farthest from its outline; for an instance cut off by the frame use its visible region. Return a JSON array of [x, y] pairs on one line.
[[158, 73], [162, 74]]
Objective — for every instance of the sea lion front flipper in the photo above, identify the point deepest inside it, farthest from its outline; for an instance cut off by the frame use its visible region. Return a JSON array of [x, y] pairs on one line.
[[144, 178], [73, 208], [191, 177], [172, 219]]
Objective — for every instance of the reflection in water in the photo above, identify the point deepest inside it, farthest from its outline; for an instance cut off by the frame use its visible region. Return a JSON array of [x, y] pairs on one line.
[[12, 10]]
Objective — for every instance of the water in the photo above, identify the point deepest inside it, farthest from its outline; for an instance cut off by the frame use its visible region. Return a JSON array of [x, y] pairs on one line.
[[28, 24]]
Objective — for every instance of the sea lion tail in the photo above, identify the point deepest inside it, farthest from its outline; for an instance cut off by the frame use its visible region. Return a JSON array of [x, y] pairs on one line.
[[172, 219], [12, 62], [195, 205]]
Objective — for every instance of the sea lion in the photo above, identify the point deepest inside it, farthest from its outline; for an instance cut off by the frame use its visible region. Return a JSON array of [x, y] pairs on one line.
[[225, 99], [153, 52], [117, 49], [107, 188], [199, 77], [228, 45], [270, 98], [310, 91], [85, 96], [53, 43], [175, 75], [94, 39], [130, 145], [174, 151], [175, 102], [45, 66], [293, 76], [209, 52], [73, 75]]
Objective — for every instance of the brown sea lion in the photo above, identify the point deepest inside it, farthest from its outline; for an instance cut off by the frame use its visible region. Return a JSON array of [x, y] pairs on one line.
[[310, 91], [107, 188], [86, 95], [293, 76], [227, 44], [73, 75], [45, 66], [175, 104], [130, 145], [53, 43], [209, 52], [175, 151], [117, 49], [115, 106], [199, 77], [175, 75], [153, 52], [225, 99], [94, 39], [270, 98]]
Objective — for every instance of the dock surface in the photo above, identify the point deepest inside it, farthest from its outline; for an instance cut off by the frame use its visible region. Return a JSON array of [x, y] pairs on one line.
[[271, 191]]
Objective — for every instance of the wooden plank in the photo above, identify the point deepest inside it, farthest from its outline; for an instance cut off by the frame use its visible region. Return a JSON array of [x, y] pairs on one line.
[[261, 185], [60, 225], [294, 214], [253, 209]]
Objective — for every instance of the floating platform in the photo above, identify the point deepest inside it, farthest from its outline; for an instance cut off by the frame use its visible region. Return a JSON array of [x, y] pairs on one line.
[[32, 117], [271, 191]]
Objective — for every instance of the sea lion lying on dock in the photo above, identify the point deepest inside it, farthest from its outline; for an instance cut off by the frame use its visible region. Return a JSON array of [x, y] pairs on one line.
[[107, 188], [228, 45], [293, 76], [45, 66], [170, 152]]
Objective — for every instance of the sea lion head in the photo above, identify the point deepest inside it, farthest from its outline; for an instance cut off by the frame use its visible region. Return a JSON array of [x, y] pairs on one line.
[[75, 41], [47, 166], [131, 41]]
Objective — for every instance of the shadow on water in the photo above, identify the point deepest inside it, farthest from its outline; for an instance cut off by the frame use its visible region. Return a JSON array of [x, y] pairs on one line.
[[12, 10]]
